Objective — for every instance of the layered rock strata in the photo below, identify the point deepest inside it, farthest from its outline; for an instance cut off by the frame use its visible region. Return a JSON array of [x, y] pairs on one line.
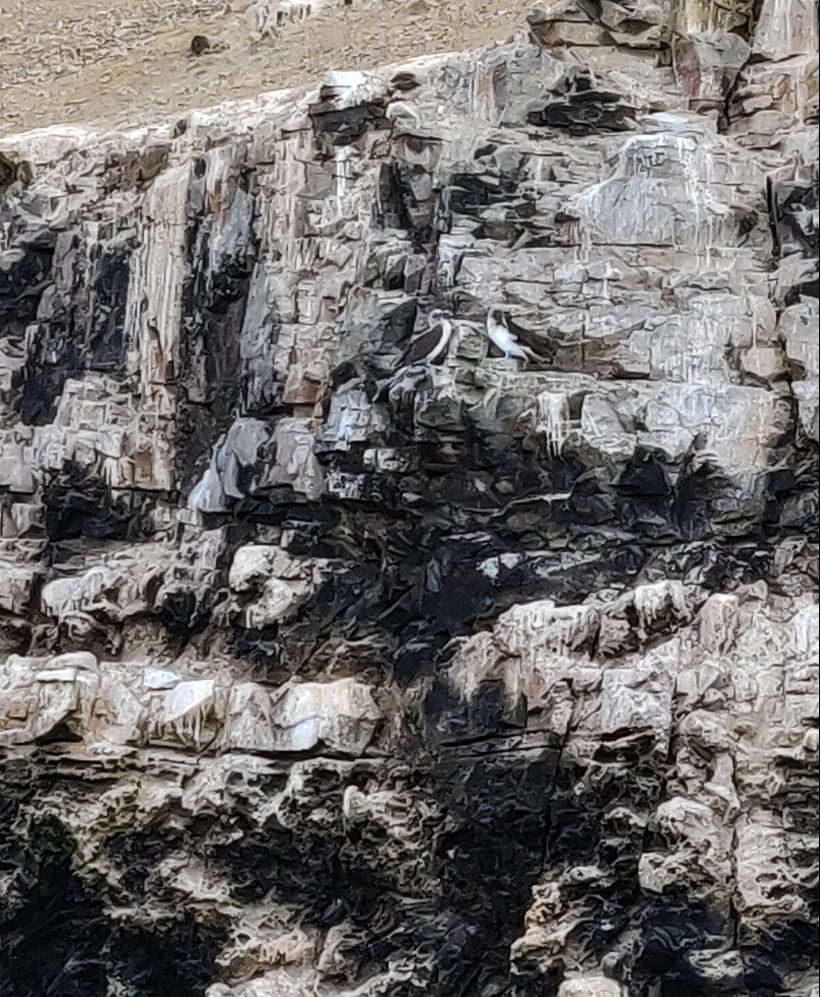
[[321, 675]]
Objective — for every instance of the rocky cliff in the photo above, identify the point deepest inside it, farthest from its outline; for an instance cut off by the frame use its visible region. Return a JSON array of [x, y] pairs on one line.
[[327, 675]]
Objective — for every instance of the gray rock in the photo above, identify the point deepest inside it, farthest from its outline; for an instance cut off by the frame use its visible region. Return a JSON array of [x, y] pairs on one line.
[[324, 674]]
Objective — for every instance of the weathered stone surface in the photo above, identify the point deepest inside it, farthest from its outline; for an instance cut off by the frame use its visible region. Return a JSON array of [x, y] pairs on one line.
[[321, 675]]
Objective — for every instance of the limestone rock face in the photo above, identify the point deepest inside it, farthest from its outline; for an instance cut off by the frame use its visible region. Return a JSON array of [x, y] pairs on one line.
[[324, 674]]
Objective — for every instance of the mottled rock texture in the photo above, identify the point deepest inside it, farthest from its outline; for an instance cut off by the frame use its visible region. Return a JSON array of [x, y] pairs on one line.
[[326, 677]]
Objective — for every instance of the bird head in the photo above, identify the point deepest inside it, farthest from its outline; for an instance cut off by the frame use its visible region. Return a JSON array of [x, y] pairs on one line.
[[436, 315]]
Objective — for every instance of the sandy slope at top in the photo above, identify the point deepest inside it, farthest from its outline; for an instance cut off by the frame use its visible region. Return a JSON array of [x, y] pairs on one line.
[[121, 63]]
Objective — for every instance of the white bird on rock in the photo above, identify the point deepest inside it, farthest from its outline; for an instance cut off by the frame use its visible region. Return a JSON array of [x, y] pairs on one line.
[[508, 336], [430, 345]]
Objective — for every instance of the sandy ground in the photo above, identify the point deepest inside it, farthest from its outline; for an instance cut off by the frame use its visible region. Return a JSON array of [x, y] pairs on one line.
[[122, 62]]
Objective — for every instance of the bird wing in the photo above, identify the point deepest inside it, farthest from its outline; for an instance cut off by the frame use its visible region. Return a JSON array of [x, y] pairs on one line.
[[421, 347], [532, 340]]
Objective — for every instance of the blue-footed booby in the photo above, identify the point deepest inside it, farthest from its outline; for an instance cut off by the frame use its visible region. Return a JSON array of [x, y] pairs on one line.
[[430, 345], [512, 339]]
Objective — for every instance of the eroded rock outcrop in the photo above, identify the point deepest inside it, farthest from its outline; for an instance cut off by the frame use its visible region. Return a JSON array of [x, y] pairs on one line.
[[321, 675]]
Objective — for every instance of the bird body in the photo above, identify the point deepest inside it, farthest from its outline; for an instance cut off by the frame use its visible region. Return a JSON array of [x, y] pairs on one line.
[[430, 345], [334, 913], [508, 336]]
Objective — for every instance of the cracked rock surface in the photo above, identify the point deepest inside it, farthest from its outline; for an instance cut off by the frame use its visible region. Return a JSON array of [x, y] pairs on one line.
[[320, 675]]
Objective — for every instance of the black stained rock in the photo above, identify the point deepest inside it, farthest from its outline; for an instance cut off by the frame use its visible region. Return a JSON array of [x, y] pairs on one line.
[[404, 201], [12, 171], [105, 320], [79, 505], [794, 206], [340, 126], [61, 941], [24, 276], [214, 299], [578, 107]]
